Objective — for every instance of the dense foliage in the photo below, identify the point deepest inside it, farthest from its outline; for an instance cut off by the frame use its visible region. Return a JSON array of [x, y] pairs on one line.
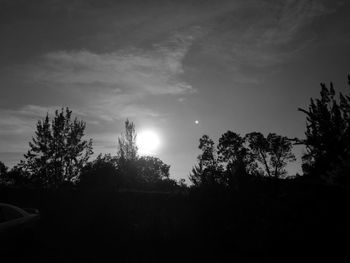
[[328, 136], [100, 173], [142, 172], [238, 157], [3, 172], [58, 151]]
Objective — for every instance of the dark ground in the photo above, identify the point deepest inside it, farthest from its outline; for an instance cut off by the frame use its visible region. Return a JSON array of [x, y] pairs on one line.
[[292, 222]]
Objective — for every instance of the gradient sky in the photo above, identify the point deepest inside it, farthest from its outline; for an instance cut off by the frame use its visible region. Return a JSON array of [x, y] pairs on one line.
[[233, 65]]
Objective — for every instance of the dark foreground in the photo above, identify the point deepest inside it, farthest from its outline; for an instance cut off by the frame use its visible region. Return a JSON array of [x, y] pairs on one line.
[[263, 223]]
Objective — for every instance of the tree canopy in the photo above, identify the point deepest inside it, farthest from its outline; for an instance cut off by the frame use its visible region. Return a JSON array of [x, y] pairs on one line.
[[3, 172], [127, 148], [101, 173], [208, 170], [238, 157], [272, 152], [58, 151], [327, 133], [137, 171]]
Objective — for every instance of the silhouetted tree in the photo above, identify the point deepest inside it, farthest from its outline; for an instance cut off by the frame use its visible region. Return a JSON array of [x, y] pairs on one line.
[[273, 152], [18, 176], [127, 148], [3, 173], [144, 172], [259, 146], [196, 174], [280, 150], [182, 183], [57, 152], [127, 157], [339, 172], [100, 173], [152, 169], [327, 134], [209, 171], [3, 169], [236, 157]]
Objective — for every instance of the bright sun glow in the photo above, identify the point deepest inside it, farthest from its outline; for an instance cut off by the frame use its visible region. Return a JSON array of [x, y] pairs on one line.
[[147, 142]]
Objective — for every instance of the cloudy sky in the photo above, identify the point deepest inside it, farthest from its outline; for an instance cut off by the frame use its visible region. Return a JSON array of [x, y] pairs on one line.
[[240, 65]]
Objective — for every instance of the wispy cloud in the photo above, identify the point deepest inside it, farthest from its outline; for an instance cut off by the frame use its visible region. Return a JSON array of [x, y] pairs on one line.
[[147, 72], [255, 33], [258, 36], [111, 85], [288, 19]]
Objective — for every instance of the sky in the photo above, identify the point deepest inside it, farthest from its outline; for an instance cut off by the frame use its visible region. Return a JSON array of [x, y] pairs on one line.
[[240, 65]]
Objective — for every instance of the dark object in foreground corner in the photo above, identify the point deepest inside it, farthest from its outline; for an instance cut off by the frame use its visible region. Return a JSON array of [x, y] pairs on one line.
[[16, 225], [13, 218]]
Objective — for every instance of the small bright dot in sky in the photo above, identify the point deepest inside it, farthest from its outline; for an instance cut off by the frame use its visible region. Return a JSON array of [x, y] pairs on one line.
[[147, 142], [196, 121]]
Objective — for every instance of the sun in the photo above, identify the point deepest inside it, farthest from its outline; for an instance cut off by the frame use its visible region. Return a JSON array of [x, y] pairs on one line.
[[147, 142]]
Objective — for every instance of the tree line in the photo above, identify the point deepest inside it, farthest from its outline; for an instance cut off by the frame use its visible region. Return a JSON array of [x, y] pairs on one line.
[[60, 155], [327, 143], [238, 157]]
